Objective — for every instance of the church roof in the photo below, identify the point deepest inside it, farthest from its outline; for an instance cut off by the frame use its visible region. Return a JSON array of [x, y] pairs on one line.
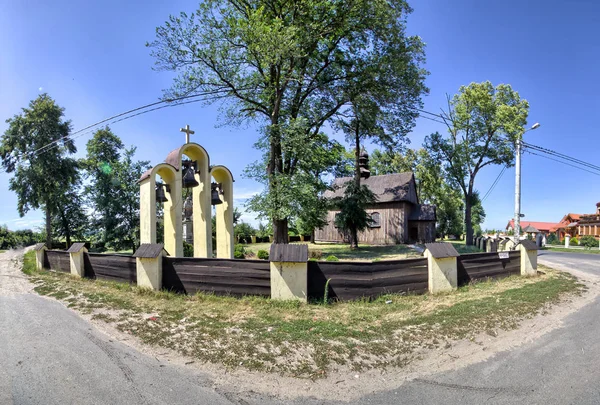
[[387, 188]]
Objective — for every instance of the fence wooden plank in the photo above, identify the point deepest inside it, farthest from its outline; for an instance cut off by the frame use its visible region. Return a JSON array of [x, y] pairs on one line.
[[110, 267], [58, 260], [218, 276]]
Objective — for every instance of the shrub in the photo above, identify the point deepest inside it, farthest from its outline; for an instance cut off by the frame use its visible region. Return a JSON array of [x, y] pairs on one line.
[[188, 249], [239, 252], [552, 239], [263, 255], [588, 241], [315, 254], [574, 242], [331, 258]]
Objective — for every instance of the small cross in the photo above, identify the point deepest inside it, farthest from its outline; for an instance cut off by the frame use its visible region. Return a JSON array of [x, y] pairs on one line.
[[188, 132]]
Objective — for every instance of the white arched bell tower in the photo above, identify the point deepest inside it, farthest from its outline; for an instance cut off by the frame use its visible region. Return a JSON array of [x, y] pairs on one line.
[[172, 172]]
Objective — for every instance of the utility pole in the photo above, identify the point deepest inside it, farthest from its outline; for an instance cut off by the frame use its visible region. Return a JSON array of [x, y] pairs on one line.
[[519, 150]]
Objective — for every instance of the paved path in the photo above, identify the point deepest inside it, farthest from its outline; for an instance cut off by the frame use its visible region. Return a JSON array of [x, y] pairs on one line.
[[49, 355]]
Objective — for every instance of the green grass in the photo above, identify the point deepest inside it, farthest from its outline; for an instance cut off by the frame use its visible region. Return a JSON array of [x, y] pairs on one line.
[[306, 340], [462, 248], [589, 251], [343, 251]]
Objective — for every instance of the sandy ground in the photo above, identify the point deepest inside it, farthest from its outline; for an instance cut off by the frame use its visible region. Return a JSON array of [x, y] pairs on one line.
[[341, 385]]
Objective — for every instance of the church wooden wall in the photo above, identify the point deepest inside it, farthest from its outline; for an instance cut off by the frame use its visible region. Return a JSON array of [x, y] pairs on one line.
[[393, 229]]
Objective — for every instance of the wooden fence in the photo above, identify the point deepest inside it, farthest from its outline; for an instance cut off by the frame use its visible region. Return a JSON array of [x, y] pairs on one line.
[[352, 280], [97, 265], [219, 276], [347, 280], [110, 267], [57, 260], [477, 266]]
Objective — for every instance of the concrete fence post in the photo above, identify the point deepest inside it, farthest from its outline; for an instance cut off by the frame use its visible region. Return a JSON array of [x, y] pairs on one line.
[[529, 252], [289, 272], [567, 240], [442, 267], [148, 262], [40, 249], [77, 259]]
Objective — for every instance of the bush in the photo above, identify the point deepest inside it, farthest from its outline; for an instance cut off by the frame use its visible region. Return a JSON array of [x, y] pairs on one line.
[[188, 249], [589, 242], [574, 242], [331, 258], [552, 239], [263, 255], [239, 252], [315, 254]]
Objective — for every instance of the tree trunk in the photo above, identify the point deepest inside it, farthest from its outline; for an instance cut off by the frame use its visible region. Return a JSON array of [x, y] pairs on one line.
[[280, 231], [353, 230], [468, 222], [48, 228]]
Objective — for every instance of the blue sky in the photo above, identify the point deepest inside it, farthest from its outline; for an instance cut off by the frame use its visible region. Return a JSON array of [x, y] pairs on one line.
[[90, 57]]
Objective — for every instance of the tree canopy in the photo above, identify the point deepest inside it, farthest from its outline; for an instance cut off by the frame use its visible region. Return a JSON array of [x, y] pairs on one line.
[[290, 66], [483, 124], [36, 148]]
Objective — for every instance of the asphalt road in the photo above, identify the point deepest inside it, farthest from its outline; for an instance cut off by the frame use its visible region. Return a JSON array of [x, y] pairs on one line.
[[49, 355], [562, 367]]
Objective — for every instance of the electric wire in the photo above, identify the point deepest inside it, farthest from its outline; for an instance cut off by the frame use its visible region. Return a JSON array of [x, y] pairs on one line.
[[563, 162], [494, 184]]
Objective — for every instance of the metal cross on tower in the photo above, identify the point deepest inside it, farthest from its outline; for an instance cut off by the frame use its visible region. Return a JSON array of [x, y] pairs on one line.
[[188, 132]]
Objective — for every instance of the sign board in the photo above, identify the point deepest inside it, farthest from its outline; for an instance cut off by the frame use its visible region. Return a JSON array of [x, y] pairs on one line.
[[503, 255]]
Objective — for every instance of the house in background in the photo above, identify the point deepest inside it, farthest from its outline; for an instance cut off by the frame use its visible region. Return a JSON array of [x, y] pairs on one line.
[[567, 225], [580, 224], [541, 227], [397, 215]]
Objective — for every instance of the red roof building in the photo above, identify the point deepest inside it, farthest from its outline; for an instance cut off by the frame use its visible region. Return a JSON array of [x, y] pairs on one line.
[[543, 227]]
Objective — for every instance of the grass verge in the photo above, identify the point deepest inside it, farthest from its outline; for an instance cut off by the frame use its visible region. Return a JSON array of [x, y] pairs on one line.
[[343, 251], [588, 251], [307, 340]]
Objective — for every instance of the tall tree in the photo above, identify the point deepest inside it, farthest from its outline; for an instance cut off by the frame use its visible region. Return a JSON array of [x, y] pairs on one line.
[[127, 173], [113, 191], [35, 147], [71, 219], [286, 64], [484, 123], [103, 155]]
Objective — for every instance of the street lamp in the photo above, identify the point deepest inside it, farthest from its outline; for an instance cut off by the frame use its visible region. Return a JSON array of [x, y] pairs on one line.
[[517, 220]]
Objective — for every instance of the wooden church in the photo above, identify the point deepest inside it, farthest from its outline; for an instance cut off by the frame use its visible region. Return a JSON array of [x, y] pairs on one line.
[[397, 217]]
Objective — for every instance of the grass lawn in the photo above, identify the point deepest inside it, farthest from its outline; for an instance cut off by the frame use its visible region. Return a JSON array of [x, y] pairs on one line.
[[462, 248], [306, 340], [589, 251], [343, 251]]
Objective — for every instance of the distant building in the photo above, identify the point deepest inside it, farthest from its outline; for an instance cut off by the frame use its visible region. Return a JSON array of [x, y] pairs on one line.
[[397, 216], [567, 225], [541, 227], [580, 225]]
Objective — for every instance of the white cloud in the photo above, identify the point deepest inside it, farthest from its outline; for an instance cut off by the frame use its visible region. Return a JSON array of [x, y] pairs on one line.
[[41, 89]]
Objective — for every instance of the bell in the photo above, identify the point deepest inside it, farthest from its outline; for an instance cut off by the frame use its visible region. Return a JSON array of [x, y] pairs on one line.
[[160, 193], [214, 195], [189, 180]]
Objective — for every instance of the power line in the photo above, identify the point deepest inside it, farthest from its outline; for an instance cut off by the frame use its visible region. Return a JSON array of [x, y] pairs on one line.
[[124, 117], [563, 162], [494, 184], [129, 112], [561, 155]]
